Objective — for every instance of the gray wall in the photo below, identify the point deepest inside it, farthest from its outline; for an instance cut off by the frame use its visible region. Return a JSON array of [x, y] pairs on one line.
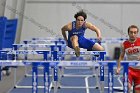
[[2, 7], [45, 18]]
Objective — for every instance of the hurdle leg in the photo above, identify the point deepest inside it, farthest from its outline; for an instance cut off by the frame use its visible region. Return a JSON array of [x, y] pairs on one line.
[[101, 79], [54, 71], [125, 74], [110, 78], [95, 73], [60, 74], [26, 73], [96, 70], [15, 77], [0, 73], [15, 69], [26, 58], [46, 78], [34, 78], [52, 77], [55, 79], [0, 67]]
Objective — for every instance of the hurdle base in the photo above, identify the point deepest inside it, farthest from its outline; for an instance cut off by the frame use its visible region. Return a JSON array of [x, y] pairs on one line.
[[15, 87], [96, 87], [57, 87], [25, 75]]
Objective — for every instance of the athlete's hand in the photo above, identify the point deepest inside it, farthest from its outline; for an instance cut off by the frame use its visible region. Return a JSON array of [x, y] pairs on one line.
[[118, 70], [99, 38], [138, 58]]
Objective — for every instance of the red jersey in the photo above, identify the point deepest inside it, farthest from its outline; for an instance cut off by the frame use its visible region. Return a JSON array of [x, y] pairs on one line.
[[132, 50]]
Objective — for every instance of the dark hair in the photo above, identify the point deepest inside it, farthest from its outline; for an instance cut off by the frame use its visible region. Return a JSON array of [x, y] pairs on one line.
[[133, 26], [81, 13]]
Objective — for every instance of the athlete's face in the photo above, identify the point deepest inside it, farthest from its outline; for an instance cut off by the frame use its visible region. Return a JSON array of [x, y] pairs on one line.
[[133, 32], [79, 21]]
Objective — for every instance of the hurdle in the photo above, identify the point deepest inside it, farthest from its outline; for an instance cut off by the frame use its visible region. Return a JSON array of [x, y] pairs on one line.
[[55, 44], [93, 53], [34, 72], [67, 63], [37, 63], [110, 74], [125, 65], [111, 40], [37, 52], [48, 39], [54, 56], [56, 76], [45, 41], [34, 68], [51, 47]]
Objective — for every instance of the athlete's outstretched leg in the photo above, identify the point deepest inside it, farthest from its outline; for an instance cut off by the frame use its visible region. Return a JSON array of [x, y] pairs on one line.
[[75, 44], [97, 47]]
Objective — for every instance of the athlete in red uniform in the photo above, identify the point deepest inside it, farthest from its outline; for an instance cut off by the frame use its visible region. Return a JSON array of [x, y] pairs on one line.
[[131, 48]]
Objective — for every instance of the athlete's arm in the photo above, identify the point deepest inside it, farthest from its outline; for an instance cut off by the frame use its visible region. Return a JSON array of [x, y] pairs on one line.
[[64, 29], [93, 28], [120, 59]]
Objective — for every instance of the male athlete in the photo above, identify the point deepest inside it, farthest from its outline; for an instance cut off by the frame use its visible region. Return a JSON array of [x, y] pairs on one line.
[[131, 48], [76, 31]]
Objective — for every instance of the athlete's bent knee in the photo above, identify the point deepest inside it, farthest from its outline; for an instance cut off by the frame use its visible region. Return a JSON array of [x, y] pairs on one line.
[[74, 38]]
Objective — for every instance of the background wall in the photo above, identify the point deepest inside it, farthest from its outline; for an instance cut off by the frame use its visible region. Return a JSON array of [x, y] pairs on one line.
[[44, 18], [2, 8]]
